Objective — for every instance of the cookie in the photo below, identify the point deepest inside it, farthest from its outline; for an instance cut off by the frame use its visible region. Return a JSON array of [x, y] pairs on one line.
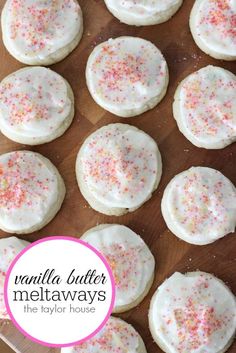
[[31, 192], [212, 23], [41, 32], [194, 312], [118, 168], [143, 12], [199, 205], [130, 259], [9, 249], [205, 107], [127, 76], [115, 336], [36, 106]]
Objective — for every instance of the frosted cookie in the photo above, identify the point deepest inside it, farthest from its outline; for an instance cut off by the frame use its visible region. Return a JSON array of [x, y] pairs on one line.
[[143, 12], [118, 168], [116, 336], [31, 192], [39, 32], [199, 205], [36, 106], [130, 259], [127, 76], [213, 26], [193, 313], [205, 107], [9, 249]]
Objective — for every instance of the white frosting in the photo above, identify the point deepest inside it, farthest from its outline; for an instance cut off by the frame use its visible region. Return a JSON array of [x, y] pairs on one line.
[[34, 103], [130, 259], [214, 26], [199, 205], [143, 7], [37, 29], [120, 165], [206, 107], [28, 190], [141, 12], [193, 313], [9, 249], [126, 75], [116, 336]]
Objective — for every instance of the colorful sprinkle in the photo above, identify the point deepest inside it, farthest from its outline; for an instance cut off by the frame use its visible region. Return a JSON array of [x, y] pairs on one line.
[[28, 190], [207, 102], [117, 336], [201, 204], [127, 70], [119, 165], [192, 313], [34, 102], [9, 248], [216, 26], [40, 28], [131, 261]]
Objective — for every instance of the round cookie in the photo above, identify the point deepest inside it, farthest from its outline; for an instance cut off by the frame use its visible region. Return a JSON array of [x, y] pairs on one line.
[[9, 249], [118, 168], [143, 12], [36, 105], [131, 261], [31, 192], [212, 23], [199, 205], [205, 107], [116, 336], [127, 76], [41, 32], [195, 312]]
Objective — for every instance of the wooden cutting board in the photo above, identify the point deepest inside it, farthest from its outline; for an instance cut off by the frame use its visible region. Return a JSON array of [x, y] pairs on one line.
[[174, 40]]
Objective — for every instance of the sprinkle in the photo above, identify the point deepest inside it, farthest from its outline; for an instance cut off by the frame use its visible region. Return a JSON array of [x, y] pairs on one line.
[[126, 71], [115, 335], [21, 181], [34, 102], [42, 27], [217, 24], [202, 203], [9, 248], [118, 165], [207, 105], [194, 317]]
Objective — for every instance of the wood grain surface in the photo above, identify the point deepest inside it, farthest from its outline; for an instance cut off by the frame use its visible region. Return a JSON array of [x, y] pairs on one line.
[[173, 38]]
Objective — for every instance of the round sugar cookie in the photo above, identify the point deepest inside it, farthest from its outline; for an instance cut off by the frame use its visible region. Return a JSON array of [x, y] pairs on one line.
[[31, 192], [118, 168], [127, 76], [39, 32], [143, 12], [213, 26], [199, 205], [9, 249], [130, 259], [193, 312], [116, 336], [205, 107], [36, 105]]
